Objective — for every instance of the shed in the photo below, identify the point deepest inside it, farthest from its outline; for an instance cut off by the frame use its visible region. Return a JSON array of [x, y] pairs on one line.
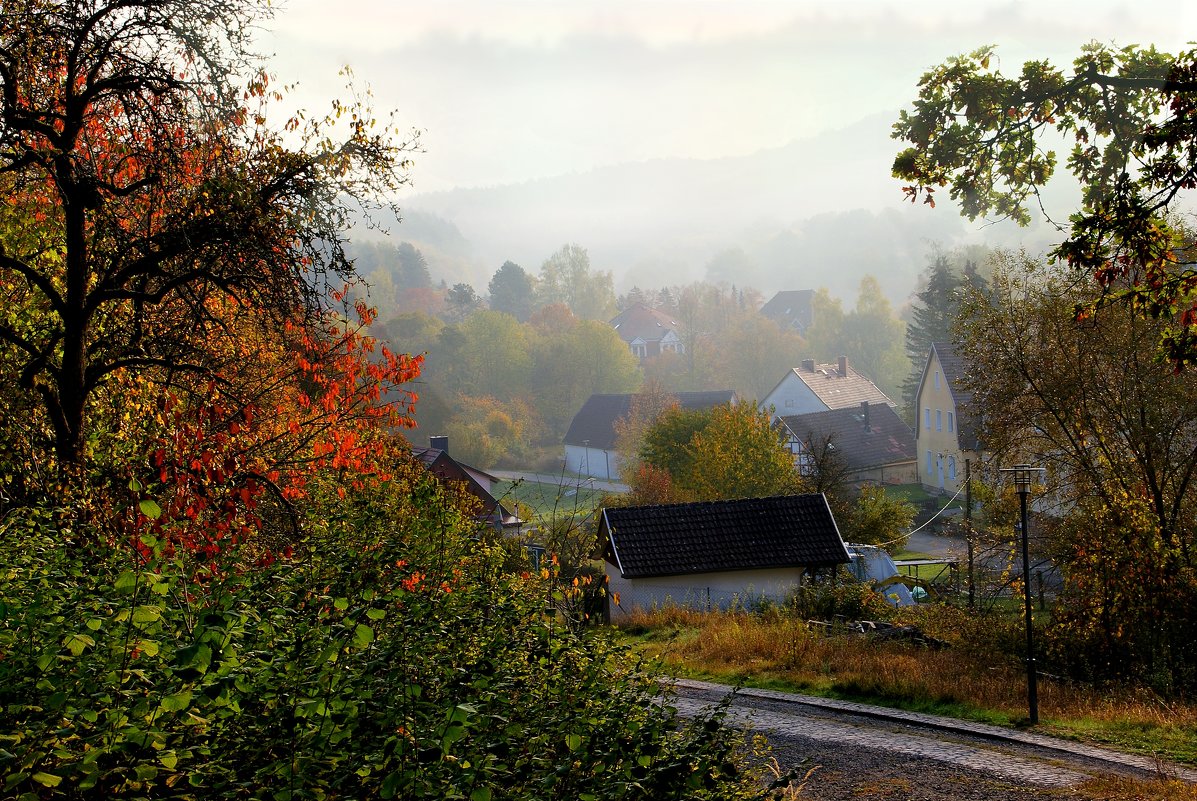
[[716, 554]]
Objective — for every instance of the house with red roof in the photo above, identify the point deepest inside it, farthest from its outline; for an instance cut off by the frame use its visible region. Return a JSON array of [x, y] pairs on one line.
[[812, 387], [648, 332]]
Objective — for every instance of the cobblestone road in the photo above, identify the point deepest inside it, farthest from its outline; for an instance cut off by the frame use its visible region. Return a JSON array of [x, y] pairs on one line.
[[867, 752]]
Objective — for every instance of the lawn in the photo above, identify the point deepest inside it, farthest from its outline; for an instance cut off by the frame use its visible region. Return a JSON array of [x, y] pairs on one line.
[[550, 500]]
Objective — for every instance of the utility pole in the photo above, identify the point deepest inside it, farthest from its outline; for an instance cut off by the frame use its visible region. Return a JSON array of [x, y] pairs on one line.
[[968, 530]]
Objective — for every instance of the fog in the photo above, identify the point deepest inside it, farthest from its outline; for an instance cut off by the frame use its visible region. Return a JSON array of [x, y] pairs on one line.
[[660, 135]]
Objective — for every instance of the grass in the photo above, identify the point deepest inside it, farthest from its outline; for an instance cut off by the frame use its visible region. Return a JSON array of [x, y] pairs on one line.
[[548, 500], [965, 681]]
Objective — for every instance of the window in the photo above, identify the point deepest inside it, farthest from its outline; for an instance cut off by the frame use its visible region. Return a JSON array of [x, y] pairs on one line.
[[938, 420], [951, 422], [930, 464], [952, 468], [789, 403], [640, 351], [937, 379], [927, 419]]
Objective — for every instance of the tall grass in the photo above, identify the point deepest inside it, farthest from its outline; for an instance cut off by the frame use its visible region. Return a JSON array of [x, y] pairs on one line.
[[974, 678]]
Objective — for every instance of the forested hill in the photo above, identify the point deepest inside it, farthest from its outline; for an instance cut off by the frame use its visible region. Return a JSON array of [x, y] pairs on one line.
[[775, 219]]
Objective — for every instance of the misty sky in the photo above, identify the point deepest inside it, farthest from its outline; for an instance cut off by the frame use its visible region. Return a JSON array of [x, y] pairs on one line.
[[511, 91]]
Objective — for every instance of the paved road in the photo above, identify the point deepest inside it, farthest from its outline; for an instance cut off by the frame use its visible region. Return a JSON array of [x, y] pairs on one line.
[[872, 752]]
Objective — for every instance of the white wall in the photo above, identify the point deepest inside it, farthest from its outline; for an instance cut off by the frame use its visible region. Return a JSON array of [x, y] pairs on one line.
[[700, 591], [595, 462], [793, 396]]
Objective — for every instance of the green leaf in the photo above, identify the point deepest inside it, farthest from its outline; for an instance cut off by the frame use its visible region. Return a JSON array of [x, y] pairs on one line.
[[341, 604], [169, 759], [77, 643], [47, 779], [126, 581], [177, 702], [573, 741], [150, 509], [480, 794], [146, 614], [95, 623], [363, 635], [376, 614]]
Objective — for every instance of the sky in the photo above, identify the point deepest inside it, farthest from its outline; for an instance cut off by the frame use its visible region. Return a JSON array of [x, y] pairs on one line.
[[507, 92]]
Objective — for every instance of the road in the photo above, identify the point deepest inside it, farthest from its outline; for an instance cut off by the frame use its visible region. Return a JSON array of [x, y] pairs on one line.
[[865, 752]]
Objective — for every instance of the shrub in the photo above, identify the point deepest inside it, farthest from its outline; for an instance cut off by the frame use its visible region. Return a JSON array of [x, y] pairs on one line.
[[840, 595], [400, 665]]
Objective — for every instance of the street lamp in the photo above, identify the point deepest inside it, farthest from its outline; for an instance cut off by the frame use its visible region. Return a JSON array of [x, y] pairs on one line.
[[1024, 476]]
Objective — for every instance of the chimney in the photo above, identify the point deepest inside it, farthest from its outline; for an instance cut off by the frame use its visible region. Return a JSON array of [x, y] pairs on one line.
[[864, 411], [843, 367], [440, 443], [808, 365]]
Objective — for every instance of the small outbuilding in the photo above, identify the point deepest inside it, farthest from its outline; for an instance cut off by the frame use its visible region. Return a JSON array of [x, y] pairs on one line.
[[716, 554]]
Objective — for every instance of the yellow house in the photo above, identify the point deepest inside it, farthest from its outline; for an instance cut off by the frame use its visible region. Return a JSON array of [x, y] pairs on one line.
[[945, 424]]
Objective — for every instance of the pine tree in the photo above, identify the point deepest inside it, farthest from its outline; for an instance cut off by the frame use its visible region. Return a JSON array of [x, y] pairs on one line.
[[931, 321]]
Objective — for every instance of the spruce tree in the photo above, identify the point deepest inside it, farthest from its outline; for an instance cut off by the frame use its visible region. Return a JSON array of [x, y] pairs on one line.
[[931, 321]]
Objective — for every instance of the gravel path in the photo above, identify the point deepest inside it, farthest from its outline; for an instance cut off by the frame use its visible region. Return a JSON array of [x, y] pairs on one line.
[[876, 756]]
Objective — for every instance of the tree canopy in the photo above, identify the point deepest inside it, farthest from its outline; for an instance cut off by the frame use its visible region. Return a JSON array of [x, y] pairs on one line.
[[149, 201], [1130, 116], [729, 451]]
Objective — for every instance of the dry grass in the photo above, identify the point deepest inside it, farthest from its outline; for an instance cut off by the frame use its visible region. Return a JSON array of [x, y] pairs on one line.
[[965, 680]]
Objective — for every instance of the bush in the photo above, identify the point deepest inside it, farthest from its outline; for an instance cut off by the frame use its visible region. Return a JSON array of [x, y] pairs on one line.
[[405, 665], [840, 595]]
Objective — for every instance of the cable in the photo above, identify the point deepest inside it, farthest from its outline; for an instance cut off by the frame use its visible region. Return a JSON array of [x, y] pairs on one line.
[[924, 525]]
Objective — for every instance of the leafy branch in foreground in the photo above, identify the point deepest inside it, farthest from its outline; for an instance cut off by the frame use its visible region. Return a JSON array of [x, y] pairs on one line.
[[1130, 115]]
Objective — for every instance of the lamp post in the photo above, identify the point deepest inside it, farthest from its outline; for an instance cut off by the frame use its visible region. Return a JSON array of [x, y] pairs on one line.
[[1024, 475]]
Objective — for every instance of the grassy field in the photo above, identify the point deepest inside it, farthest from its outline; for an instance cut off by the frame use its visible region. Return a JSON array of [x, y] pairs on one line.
[[964, 681], [550, 500]]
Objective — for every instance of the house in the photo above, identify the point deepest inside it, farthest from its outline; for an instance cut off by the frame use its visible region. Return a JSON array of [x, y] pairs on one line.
[[715, 554], [814, 387], [480, 484], [870, 443], [648, 332], [792, 309], [590, 441], [946, 427]]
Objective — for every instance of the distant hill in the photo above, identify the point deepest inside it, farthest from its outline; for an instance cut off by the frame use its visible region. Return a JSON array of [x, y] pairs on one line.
[[817, 212]]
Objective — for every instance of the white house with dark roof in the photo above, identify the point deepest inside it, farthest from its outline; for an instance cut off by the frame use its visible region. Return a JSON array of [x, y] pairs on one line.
[[590, 441], [716, 554], [648, 332], [946, 426], [812, 387]]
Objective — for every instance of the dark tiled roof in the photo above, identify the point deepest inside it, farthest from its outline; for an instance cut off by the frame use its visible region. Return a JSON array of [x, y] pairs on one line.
[[440, 464], [594, 424], [713, 536], [955, 371], [886, 440], [640, 321], [793, 308]]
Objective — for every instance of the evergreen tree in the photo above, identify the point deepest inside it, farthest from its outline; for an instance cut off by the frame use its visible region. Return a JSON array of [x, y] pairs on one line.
[[512, 291], [931, 321], [413, 270]]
